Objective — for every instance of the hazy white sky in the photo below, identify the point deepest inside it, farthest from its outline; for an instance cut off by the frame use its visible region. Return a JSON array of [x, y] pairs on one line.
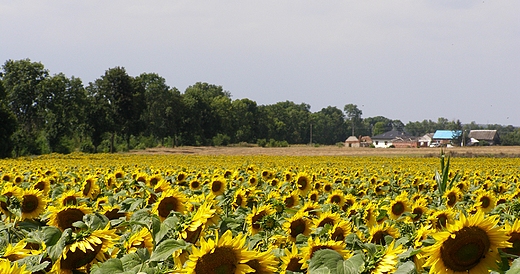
[[408, 60]]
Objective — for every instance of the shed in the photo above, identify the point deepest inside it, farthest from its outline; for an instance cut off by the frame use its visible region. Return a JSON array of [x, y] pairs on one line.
[[489, 136], [352, 141]]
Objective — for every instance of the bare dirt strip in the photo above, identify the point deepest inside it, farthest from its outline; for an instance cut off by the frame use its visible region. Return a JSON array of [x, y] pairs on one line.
[[305, 150]]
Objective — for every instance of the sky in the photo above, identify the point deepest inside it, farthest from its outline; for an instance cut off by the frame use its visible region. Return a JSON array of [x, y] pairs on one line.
[[407, 60]]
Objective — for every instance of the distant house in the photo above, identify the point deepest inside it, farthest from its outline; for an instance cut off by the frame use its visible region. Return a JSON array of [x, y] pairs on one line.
[[365, 141], [352, 141], [405, 142], [484, 136], [444, 137], [425, 140], [387, 139]]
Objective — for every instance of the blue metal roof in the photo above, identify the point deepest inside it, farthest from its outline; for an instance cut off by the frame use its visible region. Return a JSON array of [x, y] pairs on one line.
[[447, 134]]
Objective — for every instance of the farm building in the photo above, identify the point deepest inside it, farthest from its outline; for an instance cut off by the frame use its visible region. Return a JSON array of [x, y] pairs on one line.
[[425, 140], [386, 139], [365, 141], [484, 137], [405, 142], [444, 137], [352, 141], [362, 141]]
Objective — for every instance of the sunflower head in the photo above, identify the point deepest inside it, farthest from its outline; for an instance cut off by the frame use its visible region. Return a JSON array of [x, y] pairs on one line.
[[85, 250], [63, 217], [254, 219], [297, 224], [33, 203], [303, 183], [470, 244], [226, 254], [170, 200], [291, 260]]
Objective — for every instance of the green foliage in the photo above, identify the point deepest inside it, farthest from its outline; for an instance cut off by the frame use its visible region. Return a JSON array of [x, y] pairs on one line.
[[221, 140], [42, 113]]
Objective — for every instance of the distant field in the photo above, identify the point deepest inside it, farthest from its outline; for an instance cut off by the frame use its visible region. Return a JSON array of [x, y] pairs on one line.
[[303, 150]]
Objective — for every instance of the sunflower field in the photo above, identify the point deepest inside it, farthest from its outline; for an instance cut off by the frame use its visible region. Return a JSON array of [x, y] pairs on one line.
[[122, 213]]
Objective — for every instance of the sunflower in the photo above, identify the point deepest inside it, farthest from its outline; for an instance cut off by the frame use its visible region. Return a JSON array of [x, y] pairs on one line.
[[223, 255], [288, 176], [218, 185], [297, 224], [140, 239], [327, 187], [264, 262], [171, 200], [379, 232], [69, 197], [85, 251], [316, 244], [195, 184], [7, 268], [350, 200], [327, 218], [336, 197], [274, 182], [154, 180], [398, 206], [33, 203], [113, 212], [16, 252], [193, 230], [291, 200], [9, 191], [469, 245], [252, 181], [419, 210], [303, 183], [44, 185], [240, 199], [90, 188], [452, 196], [180, 178], [340, 230], [64, 217], [291, 260], [255, 217], [485, 201], [311, 208], [387, 263], [441, 218], [370, 214], [421, 234], [313, 196], [513, 232]]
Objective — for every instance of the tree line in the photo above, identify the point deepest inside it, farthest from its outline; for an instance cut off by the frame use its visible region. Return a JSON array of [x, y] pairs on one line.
[[43, 113]]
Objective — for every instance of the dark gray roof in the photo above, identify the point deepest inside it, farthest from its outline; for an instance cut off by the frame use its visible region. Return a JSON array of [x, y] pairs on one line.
[[392, 134], [483, 134]]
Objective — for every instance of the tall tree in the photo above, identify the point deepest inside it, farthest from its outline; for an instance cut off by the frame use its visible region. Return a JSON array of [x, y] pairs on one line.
[[353, 117], [22, 81], [7, 125], [328, 126], [289, 122], [162, 110], [205, 104], [245, 120], [63, 103], [123, 97]]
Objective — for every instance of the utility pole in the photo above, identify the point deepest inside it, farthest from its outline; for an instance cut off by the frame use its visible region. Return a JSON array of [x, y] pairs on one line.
[[311, 134]]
